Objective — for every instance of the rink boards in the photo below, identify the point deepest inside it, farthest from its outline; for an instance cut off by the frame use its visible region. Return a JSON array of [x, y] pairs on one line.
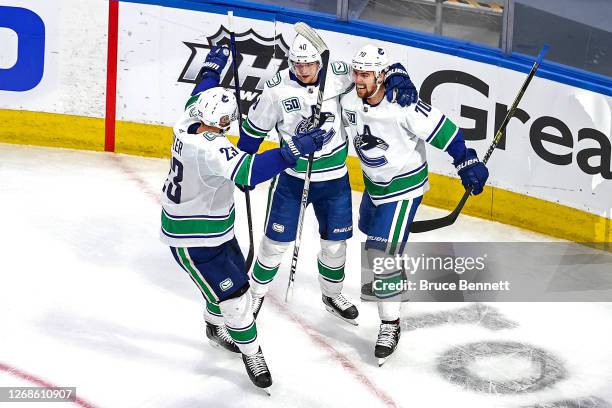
[[552, 175]]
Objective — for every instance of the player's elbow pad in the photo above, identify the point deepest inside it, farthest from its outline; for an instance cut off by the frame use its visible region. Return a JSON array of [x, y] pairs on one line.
[[267, 165], [248, 143]]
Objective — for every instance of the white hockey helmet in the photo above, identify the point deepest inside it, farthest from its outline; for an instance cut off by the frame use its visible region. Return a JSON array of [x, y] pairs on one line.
[[217, 107], [371, 58], [302, 51]]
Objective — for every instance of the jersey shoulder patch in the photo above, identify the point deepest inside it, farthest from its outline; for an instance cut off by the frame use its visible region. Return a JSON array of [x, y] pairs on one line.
[[339, 67], [276, 80]]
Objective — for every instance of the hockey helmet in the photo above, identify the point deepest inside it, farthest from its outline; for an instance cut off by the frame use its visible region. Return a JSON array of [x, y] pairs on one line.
[[217, 107], [302, 51]]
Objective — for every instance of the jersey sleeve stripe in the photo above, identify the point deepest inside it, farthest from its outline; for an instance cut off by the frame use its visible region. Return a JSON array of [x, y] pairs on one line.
[[450, 140], [444, 134], [243, 175], [253, 130], [238, 166], [433, 133], [251, 161]]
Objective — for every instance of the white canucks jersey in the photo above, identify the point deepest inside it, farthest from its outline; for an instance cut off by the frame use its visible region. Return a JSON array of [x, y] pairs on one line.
[[390, 142], [198, 195], [287, 106]]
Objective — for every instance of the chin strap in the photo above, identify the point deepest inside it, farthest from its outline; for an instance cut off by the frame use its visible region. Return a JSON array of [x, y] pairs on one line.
[[377, 86]]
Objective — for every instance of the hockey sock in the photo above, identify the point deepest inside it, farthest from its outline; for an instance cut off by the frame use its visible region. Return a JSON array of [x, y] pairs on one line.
[[212, 313], [268, 260], [240, 324], [330, 261], [389, 311], [387, 284]]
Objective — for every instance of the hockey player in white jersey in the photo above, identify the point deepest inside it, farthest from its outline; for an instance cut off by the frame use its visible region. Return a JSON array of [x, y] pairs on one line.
[[287, 104], [390, 142], [197, 219]]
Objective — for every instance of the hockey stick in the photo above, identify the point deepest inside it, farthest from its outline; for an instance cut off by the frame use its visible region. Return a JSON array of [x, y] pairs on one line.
[[311, 35], [430, 225], [247, 196]]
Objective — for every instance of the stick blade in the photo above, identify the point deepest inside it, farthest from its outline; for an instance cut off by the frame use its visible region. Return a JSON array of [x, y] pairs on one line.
[[417, 227], [311, 35]]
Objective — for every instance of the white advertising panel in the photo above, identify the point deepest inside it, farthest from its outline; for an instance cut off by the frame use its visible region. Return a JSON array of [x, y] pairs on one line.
[[53, 56]]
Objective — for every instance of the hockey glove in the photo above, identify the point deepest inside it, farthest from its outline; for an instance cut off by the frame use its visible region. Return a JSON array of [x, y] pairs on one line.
[[302, 144], [472, 171], [216, 59], [398, 86]]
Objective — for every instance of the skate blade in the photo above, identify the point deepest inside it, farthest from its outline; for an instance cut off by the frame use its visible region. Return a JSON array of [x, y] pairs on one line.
[[267, 391], [333, 312], [382, 361]]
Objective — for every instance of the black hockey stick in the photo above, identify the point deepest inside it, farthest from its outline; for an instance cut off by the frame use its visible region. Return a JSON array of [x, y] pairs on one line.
[[430, 225], [311, 35], [247, 196]]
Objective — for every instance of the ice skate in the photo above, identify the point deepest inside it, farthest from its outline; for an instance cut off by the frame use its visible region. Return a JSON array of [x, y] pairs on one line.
[[258, 370], [388, 337], [218, 336], [339, 306]]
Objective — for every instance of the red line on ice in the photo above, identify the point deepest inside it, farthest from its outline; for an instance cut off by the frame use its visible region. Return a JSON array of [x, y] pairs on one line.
[[40, 382], [134, 177], [338, 356], [315, 337]]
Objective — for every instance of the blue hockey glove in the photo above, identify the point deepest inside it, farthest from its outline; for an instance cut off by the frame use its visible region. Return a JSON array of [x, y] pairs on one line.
[[472, 171], [210, 73], [302, 144], [216, 59], [398, 86]]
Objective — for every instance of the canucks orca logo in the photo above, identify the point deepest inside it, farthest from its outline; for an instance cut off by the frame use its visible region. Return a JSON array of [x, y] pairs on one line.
[[306, 124], [367, 141]]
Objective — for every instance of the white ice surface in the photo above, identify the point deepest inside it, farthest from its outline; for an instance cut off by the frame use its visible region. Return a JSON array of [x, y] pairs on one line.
[[90, 298]]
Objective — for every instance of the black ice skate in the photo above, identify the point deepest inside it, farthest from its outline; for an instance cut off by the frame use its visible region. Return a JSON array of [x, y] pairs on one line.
[[219, 336], [388, 337], [256, 303], [258, 370], [341, 307]]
